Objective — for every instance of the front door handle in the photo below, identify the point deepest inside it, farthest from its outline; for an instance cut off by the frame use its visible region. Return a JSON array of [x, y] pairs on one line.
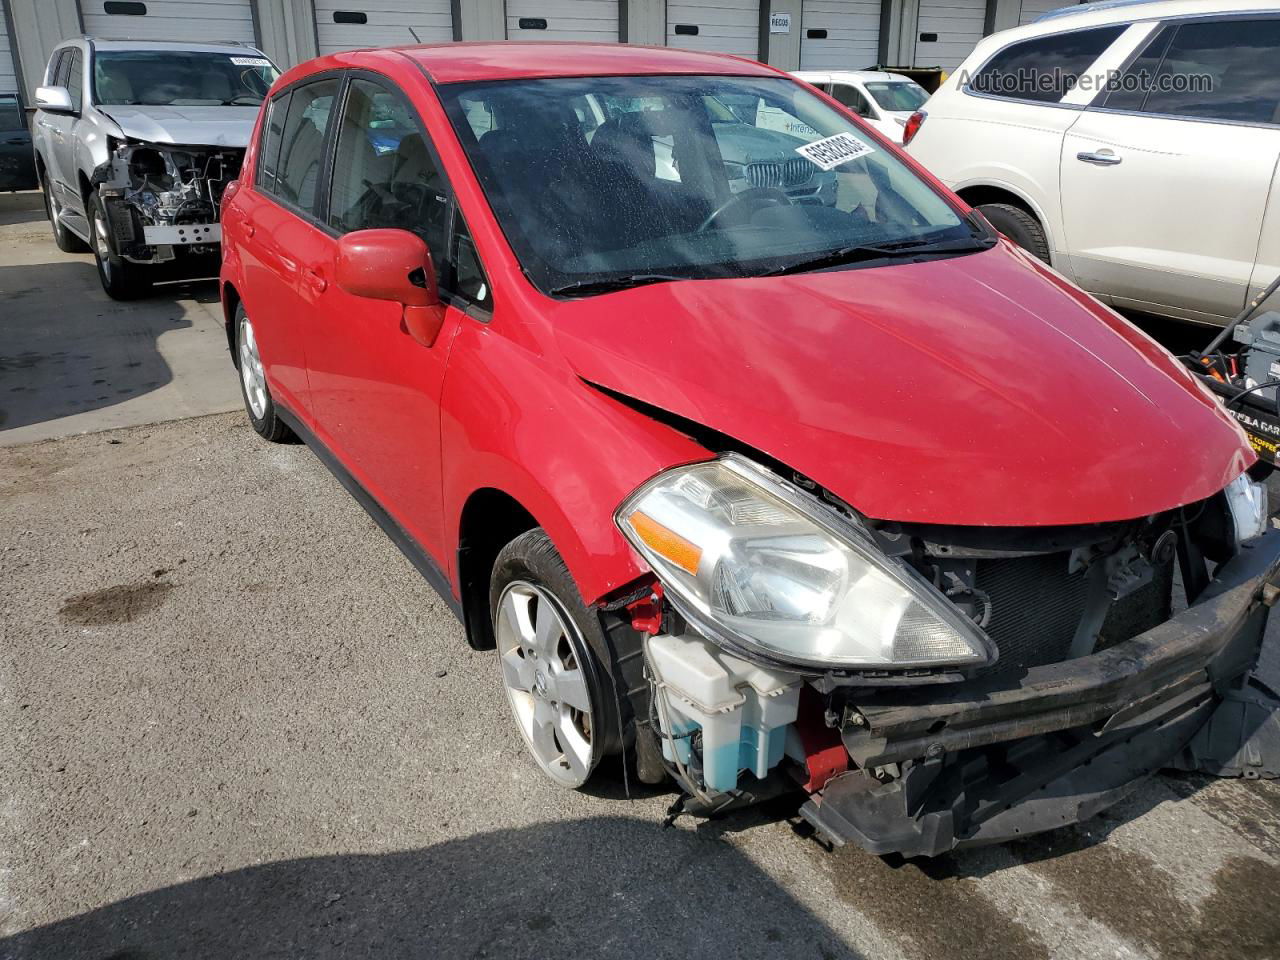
[[314, 280], [1103, 158]]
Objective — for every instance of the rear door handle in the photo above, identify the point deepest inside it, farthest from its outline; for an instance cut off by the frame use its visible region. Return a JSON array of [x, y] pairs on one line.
[[1103, 158]]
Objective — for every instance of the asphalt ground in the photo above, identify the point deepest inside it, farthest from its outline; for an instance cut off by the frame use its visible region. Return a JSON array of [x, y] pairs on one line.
[[236, 723]]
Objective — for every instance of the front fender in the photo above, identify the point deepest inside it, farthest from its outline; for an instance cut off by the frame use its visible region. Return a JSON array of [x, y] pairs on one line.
[[514, 421]]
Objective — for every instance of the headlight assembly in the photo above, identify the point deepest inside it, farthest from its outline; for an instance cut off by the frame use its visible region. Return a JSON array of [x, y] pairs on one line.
[[746, 556], [1247, 501]]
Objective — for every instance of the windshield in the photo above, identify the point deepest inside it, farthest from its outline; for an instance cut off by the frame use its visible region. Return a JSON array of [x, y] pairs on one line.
[[897, 97], [601, 177], [156, 78]]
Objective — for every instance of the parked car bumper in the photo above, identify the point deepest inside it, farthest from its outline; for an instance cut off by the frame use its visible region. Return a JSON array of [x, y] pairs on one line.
[[989, 761]]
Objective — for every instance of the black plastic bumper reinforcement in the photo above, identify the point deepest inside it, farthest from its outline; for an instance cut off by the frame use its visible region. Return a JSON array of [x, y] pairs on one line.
[[993, 760]]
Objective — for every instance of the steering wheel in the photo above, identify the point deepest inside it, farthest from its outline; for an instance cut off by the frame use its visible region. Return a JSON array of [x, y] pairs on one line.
[[755, 196]]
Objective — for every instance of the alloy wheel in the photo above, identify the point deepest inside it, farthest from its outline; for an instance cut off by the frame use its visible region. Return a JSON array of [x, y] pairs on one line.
[[544, 670], [252, 375]]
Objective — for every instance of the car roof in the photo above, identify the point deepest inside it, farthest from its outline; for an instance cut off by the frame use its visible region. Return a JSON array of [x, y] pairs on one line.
[[1103, 12], [510, 60], [176, 46], [864, 76]]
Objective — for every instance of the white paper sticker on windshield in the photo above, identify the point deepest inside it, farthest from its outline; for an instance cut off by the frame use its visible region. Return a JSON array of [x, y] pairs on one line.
[[251, 61], [830, 152]]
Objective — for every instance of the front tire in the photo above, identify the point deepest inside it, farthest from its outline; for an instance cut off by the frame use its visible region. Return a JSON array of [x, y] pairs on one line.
[[121, 279], [1019, 226], [253, 384], [551, 653]]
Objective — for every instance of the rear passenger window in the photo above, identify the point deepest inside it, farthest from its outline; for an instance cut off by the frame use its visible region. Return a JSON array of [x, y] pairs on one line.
[[1214, 70], [1044, 69], [75, 80], [851, 98], [269, 149], [297, 173], [383, 172]]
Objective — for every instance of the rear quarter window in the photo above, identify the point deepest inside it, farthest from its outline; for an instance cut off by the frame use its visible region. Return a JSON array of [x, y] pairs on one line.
[[1044, 69]]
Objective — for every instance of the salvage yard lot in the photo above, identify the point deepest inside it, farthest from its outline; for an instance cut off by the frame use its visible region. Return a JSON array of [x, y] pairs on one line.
[[238, 724]]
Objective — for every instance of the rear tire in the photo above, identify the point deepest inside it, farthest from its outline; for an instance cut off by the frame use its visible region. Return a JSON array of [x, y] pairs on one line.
[[1019, 226], [121, 279], [552, 654], [253, 384], [66, 241]]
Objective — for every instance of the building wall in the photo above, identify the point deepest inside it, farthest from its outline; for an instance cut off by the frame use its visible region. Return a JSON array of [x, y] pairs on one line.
[[38, 27], [287, 30], [480, 19], [781, 50], [645, 21]]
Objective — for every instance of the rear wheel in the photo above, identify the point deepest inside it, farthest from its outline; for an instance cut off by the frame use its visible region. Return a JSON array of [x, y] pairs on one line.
[[121, 279], [550, 651], [67, 241], [253, 383], [1019, 226]]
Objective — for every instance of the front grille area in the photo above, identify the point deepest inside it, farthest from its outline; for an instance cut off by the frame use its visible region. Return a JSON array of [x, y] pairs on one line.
[[780, 173], [1036, 606]]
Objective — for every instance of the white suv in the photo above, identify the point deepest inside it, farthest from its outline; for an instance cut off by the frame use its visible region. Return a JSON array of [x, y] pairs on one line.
[[1132, 145]]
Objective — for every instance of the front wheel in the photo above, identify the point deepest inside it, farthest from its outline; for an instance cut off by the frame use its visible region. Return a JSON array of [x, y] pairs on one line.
[[551, 651], [121, 279], [1019, 226]]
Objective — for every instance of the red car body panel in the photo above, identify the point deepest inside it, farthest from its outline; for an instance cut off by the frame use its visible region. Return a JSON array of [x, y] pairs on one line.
[[981, 389]]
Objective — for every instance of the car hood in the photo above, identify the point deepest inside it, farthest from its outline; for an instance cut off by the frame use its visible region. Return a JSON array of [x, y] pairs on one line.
[[975, 390], [193, 126], [743, 143]]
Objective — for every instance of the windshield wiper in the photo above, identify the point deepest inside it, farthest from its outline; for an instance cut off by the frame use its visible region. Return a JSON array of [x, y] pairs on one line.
[[609, 284], [860, 252]]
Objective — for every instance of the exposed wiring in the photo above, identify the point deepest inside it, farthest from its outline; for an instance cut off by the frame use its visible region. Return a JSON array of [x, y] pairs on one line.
[[1253, 389]]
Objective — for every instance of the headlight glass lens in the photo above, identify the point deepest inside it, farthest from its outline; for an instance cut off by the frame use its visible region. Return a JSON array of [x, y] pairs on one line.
[[739, 549], [1248, 503]]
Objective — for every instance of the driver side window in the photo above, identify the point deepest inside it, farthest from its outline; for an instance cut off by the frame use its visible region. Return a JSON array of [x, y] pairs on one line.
[[851, 98], [384, 173]]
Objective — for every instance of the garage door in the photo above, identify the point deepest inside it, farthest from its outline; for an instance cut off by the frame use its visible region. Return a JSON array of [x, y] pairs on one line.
[[350, 24], [722, 26], [208, 20], [8, 75], [948, 31], [592, 21], [839, 34], [1032, 10]]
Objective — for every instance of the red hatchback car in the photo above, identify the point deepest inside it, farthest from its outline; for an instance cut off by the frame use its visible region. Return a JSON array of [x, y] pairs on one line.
[[760, 458]]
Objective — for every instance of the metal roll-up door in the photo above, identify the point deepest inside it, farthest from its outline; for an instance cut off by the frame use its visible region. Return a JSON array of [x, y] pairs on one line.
[[351, 24], [720, 26], [948, 30], [1032, 10], [590, 21], [839, 34], [208, 21], [8, 70]]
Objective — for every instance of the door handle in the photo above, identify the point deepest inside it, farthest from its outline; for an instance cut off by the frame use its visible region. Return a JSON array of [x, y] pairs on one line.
[[14, 141], [314, 280], [249, 228], [1103, 158]]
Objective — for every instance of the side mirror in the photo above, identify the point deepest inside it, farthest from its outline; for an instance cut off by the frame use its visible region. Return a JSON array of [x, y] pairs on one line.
[[54, 100], [393, 265]]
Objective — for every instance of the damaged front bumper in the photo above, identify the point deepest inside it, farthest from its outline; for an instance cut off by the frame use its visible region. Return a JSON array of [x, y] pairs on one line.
[[160, 200], [949, 766]]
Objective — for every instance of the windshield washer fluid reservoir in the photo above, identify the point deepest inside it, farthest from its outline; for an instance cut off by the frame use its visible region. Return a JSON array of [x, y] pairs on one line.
[[742, 710]]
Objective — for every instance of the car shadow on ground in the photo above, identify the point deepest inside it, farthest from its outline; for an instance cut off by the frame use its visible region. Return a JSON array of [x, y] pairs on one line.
[[67, 349], [605, 886]]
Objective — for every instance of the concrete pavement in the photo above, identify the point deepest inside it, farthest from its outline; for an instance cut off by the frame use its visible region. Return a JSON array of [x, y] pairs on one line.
[[74, 361]]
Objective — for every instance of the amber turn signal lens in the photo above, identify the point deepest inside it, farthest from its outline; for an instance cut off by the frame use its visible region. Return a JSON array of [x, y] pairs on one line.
[[666, 543]]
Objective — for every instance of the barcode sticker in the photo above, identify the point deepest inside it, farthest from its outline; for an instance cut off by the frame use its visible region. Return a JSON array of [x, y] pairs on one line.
[[830, 152], [251, 61]]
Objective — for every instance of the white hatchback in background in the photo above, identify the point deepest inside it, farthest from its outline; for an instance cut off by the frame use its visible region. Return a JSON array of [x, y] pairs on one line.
[[884, 100], [1151, 180]]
